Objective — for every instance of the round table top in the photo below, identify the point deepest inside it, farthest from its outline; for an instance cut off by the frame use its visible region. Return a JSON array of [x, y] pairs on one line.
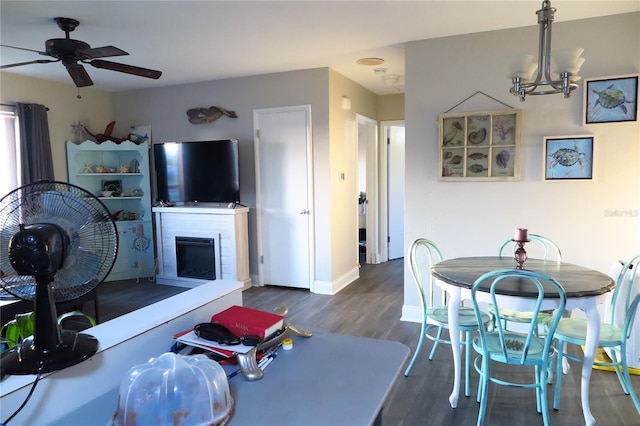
[[577, 281]]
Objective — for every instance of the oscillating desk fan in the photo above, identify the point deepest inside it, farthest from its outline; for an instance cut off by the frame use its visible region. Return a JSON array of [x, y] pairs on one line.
[[57, 243]]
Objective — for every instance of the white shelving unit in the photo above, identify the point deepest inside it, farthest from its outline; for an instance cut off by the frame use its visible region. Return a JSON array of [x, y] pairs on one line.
[[124, 169]]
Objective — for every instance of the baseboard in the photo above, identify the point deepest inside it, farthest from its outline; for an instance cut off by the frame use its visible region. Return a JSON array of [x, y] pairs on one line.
[[411, 313], [333, 287]]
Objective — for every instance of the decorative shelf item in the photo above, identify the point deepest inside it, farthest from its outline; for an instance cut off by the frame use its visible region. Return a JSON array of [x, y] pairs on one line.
[[479, 145], [520, 237]]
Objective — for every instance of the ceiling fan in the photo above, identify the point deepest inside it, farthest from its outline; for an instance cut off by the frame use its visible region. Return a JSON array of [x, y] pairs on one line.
[[74, 53]]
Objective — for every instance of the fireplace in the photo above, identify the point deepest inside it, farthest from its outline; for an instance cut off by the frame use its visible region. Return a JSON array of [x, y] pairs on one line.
[[195, 258], [226, 227]]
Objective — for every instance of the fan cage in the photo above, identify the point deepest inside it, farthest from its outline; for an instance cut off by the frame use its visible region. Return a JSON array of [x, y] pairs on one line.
[[91, 231]]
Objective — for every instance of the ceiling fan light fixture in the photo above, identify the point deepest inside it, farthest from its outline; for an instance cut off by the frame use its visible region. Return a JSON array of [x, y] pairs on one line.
[[370, 61]]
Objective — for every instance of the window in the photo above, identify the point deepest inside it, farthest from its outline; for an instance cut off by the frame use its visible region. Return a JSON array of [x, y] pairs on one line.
[[10, 158]]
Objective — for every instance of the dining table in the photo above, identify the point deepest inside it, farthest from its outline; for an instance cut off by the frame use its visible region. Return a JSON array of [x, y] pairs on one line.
[[585, 289]]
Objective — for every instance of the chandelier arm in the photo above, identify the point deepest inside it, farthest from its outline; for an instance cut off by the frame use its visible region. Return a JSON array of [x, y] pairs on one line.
[[548, 85], [545, 19]]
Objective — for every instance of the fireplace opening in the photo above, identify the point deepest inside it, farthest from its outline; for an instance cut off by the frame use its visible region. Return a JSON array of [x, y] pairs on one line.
[[195, 258]]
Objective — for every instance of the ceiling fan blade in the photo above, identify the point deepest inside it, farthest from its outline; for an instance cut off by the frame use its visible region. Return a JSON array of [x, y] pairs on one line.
[[128, 69], [23, 48], [101, 52], [79, 75], [39, 61]]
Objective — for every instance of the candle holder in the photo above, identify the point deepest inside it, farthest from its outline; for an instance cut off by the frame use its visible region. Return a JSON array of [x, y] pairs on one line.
[[520, 254]]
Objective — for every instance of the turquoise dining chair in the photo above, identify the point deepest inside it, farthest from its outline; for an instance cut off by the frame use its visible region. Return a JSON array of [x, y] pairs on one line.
[[549, 251], [615, 330], [524, 349], [435, 319]]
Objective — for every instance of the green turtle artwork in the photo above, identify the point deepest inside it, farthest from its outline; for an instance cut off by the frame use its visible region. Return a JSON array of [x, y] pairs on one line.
[[611, 97], [567, 157]]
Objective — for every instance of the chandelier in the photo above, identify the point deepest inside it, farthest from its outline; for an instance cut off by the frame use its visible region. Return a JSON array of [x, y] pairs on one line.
[[567, 62]]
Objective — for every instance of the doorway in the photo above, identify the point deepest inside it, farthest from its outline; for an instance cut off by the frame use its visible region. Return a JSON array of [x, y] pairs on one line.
[[368, 237], [394, 183], [283, 196]]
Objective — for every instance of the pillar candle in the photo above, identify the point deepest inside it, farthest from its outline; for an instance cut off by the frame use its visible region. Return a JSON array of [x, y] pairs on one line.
[[520, 234]]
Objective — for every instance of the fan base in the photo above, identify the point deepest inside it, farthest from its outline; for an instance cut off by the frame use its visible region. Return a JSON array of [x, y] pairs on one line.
[[23, 358]]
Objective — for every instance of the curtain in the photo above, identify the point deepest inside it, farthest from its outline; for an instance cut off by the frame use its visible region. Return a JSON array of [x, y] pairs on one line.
[[35, 144]]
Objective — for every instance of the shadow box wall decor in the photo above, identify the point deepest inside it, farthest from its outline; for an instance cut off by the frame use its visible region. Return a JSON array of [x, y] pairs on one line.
[[479, 146], [568, 158], [610, 99]]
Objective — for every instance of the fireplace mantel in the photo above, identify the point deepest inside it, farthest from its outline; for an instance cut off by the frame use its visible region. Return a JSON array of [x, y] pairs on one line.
[[229, 228]]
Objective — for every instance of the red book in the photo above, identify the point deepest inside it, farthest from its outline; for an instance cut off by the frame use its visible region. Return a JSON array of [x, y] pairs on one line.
[[242, 321]]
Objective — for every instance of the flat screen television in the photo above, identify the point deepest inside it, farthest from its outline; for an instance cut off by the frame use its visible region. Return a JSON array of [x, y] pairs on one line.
[[197, 172]]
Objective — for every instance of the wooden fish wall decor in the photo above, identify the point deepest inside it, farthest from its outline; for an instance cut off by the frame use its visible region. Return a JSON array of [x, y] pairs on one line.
[[208, 115]]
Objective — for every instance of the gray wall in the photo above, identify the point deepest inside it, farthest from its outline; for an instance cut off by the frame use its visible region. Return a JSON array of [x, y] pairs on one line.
[[164, 109], [473, 218]]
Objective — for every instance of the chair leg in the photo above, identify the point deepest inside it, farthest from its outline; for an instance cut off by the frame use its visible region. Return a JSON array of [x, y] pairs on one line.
[[632, 392], [467, 367], [559, 367], [565, 361], [480, 381], [483, 393], [627, 385], [538, 377], [544, 406], [619, 369], [435, 344], [418, 348]]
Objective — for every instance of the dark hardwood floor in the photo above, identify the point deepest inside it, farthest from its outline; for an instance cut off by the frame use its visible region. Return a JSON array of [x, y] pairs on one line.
[[371, 307]]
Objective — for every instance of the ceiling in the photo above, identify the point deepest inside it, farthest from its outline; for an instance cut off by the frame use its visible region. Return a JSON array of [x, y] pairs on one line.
[[192, 41]]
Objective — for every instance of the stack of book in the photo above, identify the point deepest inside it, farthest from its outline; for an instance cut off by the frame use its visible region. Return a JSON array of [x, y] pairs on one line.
[[241, 321]]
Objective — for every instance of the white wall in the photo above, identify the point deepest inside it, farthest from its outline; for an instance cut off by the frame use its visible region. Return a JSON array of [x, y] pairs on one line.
[[473, 218]]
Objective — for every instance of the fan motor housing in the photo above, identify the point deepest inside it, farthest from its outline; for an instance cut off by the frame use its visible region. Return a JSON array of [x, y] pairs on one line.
[[60, 47], [37, 249]]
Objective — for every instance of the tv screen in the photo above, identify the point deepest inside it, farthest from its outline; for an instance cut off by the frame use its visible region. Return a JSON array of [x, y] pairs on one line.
[[205, 171]]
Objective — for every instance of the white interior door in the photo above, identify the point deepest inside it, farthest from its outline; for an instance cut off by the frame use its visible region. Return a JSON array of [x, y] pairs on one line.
[[284, 218], [395, 178]]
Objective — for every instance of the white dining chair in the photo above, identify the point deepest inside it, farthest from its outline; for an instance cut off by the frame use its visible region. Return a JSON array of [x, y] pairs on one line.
[[615, 331], [519, 349], [422, 254]]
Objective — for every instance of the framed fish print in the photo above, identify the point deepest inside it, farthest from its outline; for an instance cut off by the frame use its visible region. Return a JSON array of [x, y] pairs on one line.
[[479, 146], [568, 158], [610, 99]]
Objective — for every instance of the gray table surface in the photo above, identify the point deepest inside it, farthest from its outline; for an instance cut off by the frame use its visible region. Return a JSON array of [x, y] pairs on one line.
[[576, 280], [327, 379]]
